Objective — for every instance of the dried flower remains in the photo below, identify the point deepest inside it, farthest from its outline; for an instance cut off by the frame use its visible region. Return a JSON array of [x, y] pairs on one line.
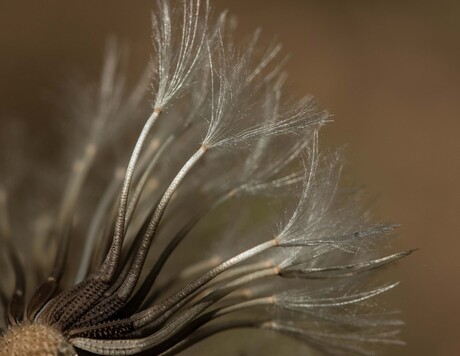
[[225, 213]]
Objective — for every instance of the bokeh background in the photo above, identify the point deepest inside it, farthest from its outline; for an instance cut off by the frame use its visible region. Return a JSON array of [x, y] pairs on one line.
[[389, 71]]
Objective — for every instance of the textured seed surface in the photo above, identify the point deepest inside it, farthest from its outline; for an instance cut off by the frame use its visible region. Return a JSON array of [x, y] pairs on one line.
[[34, 340]]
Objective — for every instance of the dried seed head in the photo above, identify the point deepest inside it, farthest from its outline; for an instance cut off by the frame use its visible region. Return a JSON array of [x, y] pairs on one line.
[[34, 340], [223, 152]]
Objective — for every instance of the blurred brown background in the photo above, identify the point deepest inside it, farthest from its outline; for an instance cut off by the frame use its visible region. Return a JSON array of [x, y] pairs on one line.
[[388, 70]]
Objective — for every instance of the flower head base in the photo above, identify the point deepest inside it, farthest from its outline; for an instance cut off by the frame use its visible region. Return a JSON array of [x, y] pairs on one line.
[[35, 340], [220, 156]]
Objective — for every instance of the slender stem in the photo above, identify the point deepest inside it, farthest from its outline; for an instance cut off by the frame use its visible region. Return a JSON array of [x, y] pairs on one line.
[[147, 285], [133, 275], [110, 265], [206, 302], [191, 329], [81, 169], [243, 305], [199, 267], [95, 227], [167, 252], [147, 316], [233, 273], [177, 328], [143, 180], [149, 281]]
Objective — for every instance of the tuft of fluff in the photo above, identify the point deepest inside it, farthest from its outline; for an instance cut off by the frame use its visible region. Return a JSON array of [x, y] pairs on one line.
[[221, 158]]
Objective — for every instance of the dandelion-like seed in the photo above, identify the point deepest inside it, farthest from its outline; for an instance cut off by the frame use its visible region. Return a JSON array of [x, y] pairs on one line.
[[223, 157]]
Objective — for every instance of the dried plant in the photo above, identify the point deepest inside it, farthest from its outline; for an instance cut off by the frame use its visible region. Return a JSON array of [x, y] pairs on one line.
[[226, 206]]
